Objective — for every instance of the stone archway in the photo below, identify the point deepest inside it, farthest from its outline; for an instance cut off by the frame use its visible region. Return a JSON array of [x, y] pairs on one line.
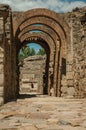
[[50, 30], [53, 30], [41, 40], [45, 27], [47, 44]]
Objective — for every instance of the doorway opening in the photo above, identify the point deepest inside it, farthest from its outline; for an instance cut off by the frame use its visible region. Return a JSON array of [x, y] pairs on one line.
[[33, 64]]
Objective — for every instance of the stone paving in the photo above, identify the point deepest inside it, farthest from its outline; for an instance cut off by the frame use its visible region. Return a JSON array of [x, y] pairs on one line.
[[38, 112]]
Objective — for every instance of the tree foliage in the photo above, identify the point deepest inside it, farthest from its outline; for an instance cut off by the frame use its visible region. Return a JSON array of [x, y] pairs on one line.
[[32, 52], [27, 51], [41, 51]]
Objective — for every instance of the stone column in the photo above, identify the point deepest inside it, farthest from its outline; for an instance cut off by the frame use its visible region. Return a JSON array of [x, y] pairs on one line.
[[9, 86], [1, 74], [69, 67], [55, 82], [13, 72], [1, 61], [50, 71], [5, 52], [46, 86], [13, 61], [50, 88]]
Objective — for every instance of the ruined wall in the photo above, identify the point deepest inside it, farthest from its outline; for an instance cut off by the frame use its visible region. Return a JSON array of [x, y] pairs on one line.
[[4, 14], [76, 53], [7, 91], [73, 82], [31, 72], [79, 48]]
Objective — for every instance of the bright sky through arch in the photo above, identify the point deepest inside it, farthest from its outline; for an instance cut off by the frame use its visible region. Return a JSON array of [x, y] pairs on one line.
[[35, 46]]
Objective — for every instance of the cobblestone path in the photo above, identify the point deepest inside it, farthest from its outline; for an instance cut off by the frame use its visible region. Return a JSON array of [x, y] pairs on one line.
[[38, 112]]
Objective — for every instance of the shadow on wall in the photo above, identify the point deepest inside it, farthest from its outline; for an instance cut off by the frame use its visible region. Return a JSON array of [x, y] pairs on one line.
[[64, 66]]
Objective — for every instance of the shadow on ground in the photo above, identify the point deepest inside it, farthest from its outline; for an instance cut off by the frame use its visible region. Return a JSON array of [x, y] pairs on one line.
[[23, 96]]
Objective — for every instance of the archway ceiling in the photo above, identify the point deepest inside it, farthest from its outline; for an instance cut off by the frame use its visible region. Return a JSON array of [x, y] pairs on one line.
[[48, 25], [51, 21], [41, 42], [44, 21], [44, 13], [39, 38], [44, 29]]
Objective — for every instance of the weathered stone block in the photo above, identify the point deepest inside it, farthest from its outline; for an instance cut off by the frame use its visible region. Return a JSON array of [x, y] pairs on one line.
[[1, 66], [1, 83], [28, 76], [1, 89], [69, 68], [70, 75], [1, 77], [69, 57], [70, 83], [64, 82], [1, 55], [71, 91], [64, 89], [1, 94]]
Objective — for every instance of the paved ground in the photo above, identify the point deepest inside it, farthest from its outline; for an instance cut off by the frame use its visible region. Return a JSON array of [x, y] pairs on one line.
[[43, 113]]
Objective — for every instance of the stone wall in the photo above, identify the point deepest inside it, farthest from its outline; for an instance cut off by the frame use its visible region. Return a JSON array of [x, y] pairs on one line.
[[31, 74], [79, 56], [7, 89], [3, 17], [76, 53]]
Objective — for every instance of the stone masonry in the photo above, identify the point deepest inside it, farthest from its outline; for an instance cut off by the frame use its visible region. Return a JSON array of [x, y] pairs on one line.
[[76, 66], [63, 36], [31, 74]]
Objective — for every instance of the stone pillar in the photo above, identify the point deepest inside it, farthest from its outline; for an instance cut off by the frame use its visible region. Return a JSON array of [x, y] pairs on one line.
[[1, 74], [13, 72], [1, 61], [63, 73], [46, 86], [5, 52], [9, 68], [69, 67], [51, 89], [58, 83], [50, 72], [56, 65]]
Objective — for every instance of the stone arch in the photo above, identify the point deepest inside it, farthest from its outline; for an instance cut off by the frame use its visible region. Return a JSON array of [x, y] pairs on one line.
[[42, 12], [46, 42], [53, 27]]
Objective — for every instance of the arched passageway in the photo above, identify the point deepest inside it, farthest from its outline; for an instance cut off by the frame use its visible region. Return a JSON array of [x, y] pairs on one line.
[[65, 64], [44, 45], [33, 74], [49, 30]]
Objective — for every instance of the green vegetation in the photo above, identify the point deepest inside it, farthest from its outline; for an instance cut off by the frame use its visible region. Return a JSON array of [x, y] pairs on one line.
[[27, 51], [41, 52]]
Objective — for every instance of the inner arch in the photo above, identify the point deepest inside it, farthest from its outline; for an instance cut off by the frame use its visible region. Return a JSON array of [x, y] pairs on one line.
[[44, 85]]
